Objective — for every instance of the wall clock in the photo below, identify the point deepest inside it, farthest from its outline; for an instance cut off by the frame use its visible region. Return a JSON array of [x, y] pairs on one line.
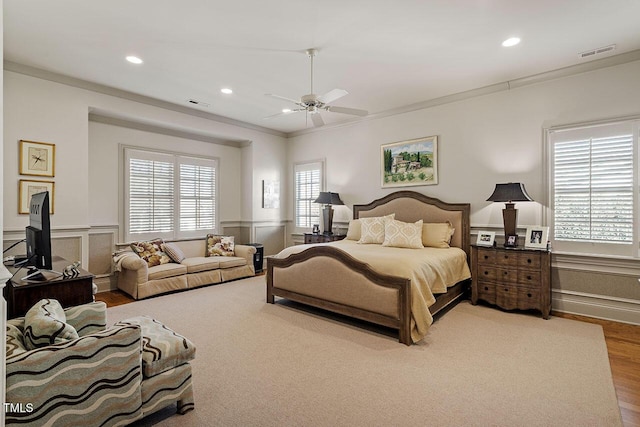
[[37, 158]]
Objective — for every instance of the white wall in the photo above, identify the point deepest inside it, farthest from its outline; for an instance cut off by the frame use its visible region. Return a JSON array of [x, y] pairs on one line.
[[43, 110], [484, 140]]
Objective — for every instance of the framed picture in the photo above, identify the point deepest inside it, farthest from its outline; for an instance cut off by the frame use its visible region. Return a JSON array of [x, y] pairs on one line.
[[536, 237], [37, 158], [486, 238], [28, 188], [407, 163], [270, 194], [511, 241]]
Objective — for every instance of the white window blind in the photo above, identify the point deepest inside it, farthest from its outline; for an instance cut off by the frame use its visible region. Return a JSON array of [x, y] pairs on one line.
[[593, 179], [307, 187], [168, 195]]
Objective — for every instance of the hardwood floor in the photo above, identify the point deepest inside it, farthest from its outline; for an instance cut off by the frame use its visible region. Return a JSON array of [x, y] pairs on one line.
[[623, 346]]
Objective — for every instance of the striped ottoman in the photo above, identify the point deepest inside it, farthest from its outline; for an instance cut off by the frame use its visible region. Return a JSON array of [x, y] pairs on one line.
[[165, 366]]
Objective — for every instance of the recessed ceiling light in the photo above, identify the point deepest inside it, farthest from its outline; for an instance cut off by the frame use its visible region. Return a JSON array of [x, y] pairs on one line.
[[512, 41], [226, 91], [286, 110], [134, 59]]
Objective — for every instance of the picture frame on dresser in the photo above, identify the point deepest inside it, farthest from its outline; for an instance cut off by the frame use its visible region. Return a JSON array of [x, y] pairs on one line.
[[511, 241], [536, 237], [486, 238]]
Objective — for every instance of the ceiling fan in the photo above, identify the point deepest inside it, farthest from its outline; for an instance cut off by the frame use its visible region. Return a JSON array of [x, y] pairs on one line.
[[312, 104]]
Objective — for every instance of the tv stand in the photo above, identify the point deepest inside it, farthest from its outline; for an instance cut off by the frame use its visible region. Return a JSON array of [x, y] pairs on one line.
[[21, 294], [37, 275]]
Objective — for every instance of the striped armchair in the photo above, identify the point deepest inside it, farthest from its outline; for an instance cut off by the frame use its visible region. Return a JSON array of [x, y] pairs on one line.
[[101, 377]]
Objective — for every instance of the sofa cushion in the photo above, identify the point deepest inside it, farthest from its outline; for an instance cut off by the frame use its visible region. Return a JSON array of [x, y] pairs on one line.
[[166, 270], [162, 348], [228, 262], [198, 264], [45, 324], [151, 252], [220, 245], [174, 252]]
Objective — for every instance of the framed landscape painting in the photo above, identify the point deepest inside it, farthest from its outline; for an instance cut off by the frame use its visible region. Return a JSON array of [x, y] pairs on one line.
[[412, 162]]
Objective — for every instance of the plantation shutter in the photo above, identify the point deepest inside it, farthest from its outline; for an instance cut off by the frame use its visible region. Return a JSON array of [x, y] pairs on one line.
[[151, 193], [307, 183], [593, 185], [197, 194]]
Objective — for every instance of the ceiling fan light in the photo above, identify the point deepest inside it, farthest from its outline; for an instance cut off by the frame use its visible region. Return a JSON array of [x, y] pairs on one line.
[[134, 59], [226, 91]]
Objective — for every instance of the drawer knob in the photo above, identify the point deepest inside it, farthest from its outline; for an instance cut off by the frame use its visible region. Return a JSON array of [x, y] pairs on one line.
[[506, 289], [528, 277], [529, 295], [506, 257], [529, 260], [486, 273], [505, 272], [486, 288], [486, 257]]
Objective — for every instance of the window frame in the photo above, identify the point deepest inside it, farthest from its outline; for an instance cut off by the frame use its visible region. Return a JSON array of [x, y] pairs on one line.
[[297, 167], [177, 158], [596, 248]]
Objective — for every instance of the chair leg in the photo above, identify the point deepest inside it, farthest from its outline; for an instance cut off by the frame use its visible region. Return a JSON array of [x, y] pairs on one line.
[[186, 403]]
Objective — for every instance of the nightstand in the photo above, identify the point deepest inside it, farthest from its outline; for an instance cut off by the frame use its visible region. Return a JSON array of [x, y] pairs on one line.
[[322, 238], [512, 278]]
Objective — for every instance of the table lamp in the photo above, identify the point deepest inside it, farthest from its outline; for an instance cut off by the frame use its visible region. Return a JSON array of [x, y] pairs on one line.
[[509, 193], [328, 199]]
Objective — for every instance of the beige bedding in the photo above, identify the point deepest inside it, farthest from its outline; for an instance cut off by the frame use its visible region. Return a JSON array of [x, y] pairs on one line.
[[431, 270]]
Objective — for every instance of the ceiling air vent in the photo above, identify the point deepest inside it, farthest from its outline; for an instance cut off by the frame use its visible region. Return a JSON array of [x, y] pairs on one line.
[[200, 103], [598, 51]]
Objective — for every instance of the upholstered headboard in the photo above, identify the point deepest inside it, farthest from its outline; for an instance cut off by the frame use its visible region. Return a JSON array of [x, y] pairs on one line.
[[410, 206]]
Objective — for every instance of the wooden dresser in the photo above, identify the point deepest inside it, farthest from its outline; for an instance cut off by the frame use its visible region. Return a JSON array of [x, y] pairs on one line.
[[512, 278]]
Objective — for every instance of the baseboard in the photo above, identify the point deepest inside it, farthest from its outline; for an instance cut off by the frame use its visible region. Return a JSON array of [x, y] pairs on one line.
[[598, 306]]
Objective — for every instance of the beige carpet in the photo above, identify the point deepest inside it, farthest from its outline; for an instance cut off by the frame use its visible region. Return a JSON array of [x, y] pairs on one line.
[[259, 364]]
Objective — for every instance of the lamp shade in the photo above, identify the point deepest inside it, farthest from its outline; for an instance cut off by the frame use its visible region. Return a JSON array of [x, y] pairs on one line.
[[510, 192], [327, 198]]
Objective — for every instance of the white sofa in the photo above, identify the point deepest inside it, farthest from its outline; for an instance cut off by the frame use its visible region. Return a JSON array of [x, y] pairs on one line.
[[139, 280]]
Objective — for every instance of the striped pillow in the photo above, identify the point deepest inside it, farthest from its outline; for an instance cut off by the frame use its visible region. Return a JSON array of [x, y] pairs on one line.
[[174, 252], [45, 324]]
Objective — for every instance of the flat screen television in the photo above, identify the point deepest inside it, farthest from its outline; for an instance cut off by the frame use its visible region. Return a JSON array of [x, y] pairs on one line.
[[38, 233]]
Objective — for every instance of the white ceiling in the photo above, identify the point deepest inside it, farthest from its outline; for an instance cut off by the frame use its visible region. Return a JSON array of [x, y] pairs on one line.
[[387, 54]]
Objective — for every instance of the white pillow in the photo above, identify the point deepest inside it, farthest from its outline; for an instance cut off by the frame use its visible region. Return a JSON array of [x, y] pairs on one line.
[[400, 234], [355, 230], [372, 229]]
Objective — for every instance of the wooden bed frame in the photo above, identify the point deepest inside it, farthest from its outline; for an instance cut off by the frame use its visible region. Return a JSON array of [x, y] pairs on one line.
[[408, 206]]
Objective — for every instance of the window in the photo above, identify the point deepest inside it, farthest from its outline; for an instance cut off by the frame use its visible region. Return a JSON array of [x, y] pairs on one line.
[[308, 178], [594, 171], [168, 195]]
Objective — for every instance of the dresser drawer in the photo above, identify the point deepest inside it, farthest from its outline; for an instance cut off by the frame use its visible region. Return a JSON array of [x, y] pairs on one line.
[[507, 258], [506, 276], [486, 257], [487, 292], [528, 298], [507, 296], [529, 260], [487, 273], [529, 278]]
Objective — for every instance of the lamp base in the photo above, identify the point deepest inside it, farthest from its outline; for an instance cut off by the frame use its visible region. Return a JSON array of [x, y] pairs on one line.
[[327, 218], [510, 218]]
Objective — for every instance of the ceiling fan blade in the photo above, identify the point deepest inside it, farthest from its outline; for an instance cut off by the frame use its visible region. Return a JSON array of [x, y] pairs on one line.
[[282, 97], [317, 120], [332, 95], [273, 116], [344, 110]]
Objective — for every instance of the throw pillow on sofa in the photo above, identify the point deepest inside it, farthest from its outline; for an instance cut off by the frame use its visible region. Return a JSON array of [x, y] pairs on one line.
[[151, 252], [45, 324], [174, 252], [220, 245]]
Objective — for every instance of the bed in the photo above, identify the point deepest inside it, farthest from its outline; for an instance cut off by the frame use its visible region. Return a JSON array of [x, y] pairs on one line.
[[353, 279]]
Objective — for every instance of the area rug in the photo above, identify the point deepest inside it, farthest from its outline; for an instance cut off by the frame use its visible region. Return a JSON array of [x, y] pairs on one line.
[[260, 364]]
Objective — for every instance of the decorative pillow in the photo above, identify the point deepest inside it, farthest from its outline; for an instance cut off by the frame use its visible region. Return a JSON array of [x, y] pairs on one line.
[[150, 252], [220, 245], [372, 229], [437, 235], [174, 252], [355, 230], [45, 324], [402, 234], [15, 341]]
